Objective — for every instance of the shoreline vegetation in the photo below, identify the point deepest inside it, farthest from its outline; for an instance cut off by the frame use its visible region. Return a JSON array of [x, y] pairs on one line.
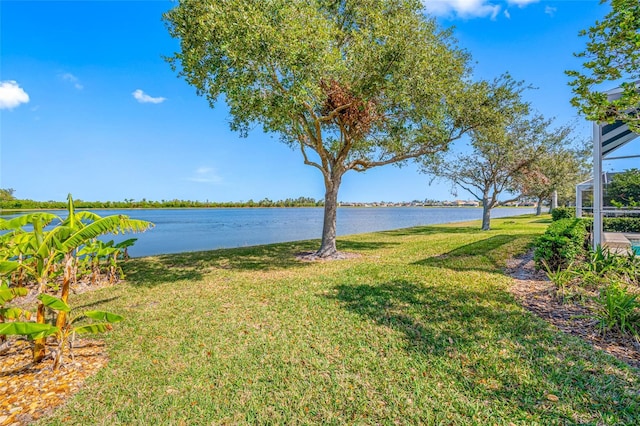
[[419, 328], [29, 205]]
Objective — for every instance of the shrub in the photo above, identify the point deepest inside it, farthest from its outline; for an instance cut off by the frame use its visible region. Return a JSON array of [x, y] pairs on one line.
[[564, 241], [563, 213], [621, 224]]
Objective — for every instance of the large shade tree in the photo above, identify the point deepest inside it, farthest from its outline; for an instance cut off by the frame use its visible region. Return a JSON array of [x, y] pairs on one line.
[[612, 55], [499, 160], [351, 84]]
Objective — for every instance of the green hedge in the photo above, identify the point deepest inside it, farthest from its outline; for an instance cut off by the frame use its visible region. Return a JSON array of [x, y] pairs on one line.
[[563, 213], [621, 224], [564, 241]]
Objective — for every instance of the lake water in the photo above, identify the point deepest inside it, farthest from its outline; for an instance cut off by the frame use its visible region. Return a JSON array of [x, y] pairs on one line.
[[182, 230]]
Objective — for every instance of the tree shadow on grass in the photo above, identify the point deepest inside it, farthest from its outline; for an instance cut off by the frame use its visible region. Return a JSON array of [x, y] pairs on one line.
[[419, 312], [483, 255], [468, 333], [97, 302], [548, 220], [347, 245], [151, 271], [429, 230]]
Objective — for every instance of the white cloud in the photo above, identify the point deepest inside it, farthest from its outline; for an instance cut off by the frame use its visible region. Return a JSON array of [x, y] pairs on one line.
[[474, 8], [549, 10], [12, 95], [143, 98], [462, 8], [72, 79], [522, 3], [205, 175]]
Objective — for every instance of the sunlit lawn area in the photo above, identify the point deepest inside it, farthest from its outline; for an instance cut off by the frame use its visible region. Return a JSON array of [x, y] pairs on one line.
[[419, 329]]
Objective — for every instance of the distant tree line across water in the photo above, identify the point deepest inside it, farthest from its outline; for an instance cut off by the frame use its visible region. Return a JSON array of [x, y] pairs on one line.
[[7, 201]]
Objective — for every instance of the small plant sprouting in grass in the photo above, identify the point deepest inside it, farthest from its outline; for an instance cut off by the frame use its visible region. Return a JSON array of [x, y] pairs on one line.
[[561, 277], [617, 308]]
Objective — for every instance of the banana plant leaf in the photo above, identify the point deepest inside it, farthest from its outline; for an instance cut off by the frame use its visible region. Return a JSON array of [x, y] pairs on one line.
[[86, 216], [8, 294], [29, 219], [53, 303], [93, 328], [8, 266], [30, 329], [14, 313], [105, 225], [103, 316], [126, 243]]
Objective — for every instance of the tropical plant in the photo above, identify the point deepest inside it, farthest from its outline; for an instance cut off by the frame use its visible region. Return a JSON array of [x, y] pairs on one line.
[[10, 313], [63, 332], [44, 255], [66, 330]]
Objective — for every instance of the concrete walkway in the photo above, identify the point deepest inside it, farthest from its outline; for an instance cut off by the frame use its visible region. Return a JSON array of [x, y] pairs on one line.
[[619, 243]]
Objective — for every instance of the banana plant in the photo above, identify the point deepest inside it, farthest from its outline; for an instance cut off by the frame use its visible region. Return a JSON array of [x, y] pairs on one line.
[[65, 333], [47, 254], [7, 313], [40, 265], [68, 239]]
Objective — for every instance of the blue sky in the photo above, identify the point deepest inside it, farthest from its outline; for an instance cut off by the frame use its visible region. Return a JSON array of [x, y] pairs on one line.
[[89, 106]]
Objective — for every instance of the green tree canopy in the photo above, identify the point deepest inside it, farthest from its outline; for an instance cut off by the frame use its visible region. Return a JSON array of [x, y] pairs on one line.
[[624, 189], [560, 167], [351, 84], [612, 55], [6, 194], [501, 160]]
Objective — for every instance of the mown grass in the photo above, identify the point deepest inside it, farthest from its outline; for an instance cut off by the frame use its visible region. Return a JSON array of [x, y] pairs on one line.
[[418, 330]]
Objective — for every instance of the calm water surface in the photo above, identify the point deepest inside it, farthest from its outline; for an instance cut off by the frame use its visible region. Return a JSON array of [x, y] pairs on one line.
[[182, 230]]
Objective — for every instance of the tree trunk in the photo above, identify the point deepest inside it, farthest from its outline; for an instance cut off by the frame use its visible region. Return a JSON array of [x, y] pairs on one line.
[[328, 246], [39, 344], [486, 214], [554, 200], [66, 285], [539, 207]]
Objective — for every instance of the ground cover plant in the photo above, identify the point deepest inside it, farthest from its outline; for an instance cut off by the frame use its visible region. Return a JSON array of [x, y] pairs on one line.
[[606, 283], [419, 329]]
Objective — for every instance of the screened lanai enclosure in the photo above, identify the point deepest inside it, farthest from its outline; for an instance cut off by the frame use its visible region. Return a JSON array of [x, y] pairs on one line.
[[616, 222]]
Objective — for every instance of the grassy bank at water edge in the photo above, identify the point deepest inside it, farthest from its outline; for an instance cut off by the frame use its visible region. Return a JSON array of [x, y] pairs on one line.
[[420, 329]]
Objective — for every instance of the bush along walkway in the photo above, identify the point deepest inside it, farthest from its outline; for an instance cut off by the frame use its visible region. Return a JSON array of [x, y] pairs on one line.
[[419, 329]]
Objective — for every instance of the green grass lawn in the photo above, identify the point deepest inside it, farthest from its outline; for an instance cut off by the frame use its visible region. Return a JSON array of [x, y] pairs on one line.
[[420, 329]]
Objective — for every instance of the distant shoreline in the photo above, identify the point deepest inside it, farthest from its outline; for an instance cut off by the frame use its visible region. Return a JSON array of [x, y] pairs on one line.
[[256, 207]]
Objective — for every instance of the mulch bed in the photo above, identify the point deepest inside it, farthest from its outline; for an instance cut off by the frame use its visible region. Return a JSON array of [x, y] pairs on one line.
[[537, 294], [30, 391]]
